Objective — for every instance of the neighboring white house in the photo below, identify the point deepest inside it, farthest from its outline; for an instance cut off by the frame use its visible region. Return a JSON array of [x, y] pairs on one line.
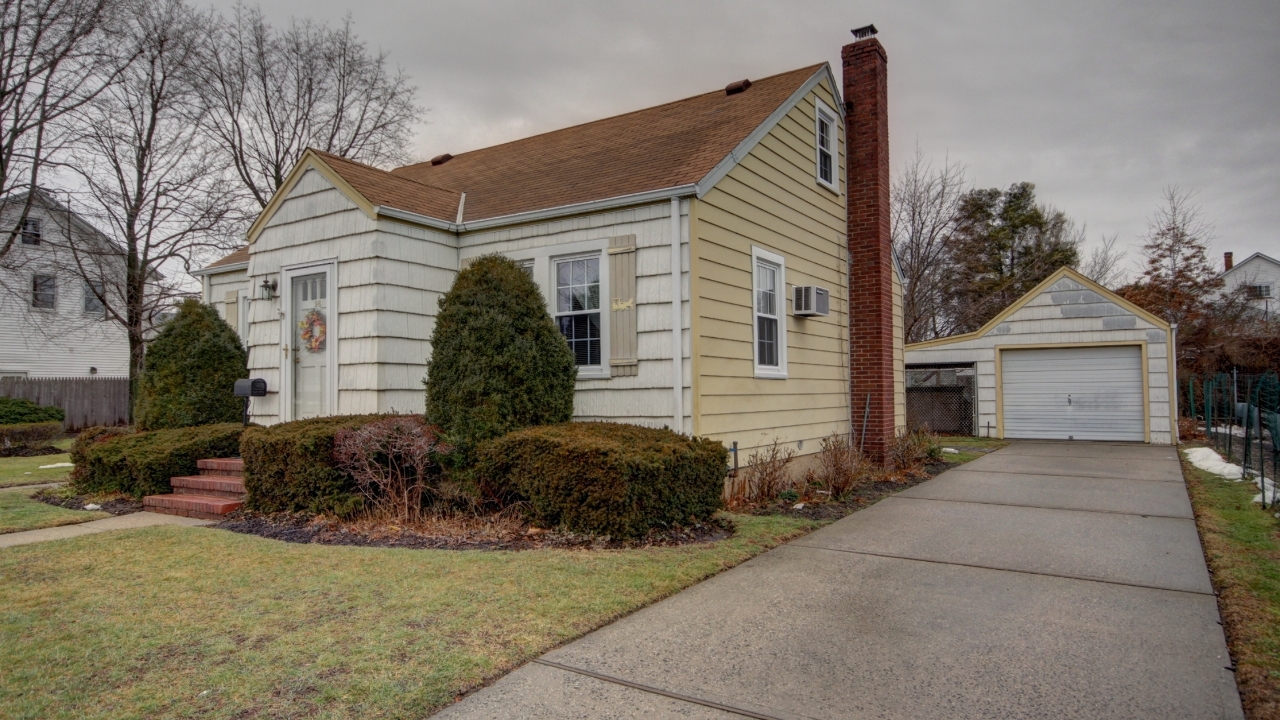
[[1260, 275], [1070, 360], [733, 199], [52, 322]]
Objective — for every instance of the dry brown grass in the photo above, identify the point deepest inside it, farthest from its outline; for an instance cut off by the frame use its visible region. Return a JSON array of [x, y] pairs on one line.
[[477, 526]]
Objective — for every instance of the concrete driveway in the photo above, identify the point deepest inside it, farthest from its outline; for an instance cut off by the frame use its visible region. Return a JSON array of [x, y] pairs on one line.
[[1054, 580]]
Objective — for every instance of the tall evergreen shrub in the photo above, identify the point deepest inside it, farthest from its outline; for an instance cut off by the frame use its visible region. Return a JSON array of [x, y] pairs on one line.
[[498, 362], [190, 372]]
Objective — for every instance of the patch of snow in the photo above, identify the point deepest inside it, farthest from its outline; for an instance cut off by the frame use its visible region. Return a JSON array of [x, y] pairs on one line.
[[797, 506], [56, 465], [1210, 461], [949, 451], [27, 473], [96, 506], [1268, 488]]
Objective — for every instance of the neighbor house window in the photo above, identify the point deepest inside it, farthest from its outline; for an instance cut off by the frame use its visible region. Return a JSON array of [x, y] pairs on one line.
[[1259, 292], [578, 307], [826, 137], [44, 292], [31, 231], [770, 313], [94, 291]]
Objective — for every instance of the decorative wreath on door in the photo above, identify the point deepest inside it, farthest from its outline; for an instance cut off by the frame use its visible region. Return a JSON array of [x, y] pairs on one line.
[[313, 331]]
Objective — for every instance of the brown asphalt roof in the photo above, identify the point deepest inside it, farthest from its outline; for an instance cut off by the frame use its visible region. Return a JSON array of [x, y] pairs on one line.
[[403, 193], [239, 256], [660, 147]]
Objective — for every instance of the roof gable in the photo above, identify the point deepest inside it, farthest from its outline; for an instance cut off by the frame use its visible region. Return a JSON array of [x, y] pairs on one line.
[[1259, 257], [1074, 283]]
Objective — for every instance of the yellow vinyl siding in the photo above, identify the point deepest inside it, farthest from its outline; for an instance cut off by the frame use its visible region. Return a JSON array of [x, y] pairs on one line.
[[772, 200]]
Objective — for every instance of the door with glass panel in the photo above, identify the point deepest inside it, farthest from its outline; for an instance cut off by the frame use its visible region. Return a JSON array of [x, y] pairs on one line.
[[578, 308], [310, 311]]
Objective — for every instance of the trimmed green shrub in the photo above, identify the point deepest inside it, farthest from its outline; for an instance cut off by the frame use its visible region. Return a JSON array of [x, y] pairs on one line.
[[290, 467], [141, 463], [605, 478], [498, 363], [22, 436], [190, 372], [91, 436], [15, 411]]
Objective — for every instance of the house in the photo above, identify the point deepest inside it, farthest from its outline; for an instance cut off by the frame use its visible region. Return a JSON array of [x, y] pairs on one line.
[[703, 259], [53, 321], [1259, 274], [1070, 360]]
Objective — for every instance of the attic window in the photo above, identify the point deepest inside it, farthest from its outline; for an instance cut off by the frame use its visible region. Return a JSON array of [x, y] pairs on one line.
[[31, 234], [441, 159], [1260, 292], [825, 140], [736, 87]]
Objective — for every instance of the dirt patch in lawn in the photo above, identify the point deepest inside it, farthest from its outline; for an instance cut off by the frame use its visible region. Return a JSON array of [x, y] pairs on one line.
[[115, 504], [455, 533]]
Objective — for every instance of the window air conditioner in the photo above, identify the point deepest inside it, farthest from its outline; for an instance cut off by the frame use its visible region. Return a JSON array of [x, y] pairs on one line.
[[811, 300]]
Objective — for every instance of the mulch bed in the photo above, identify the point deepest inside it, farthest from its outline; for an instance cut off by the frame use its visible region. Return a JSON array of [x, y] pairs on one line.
[[825, 509], [31, 451], [115, 506], [321, 530]]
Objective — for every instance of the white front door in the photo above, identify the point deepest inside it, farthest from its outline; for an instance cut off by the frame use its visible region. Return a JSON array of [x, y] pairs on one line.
[[1081, 393], [310, 352]]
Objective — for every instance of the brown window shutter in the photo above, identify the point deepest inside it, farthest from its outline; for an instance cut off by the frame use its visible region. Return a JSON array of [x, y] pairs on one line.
[[622, 318]]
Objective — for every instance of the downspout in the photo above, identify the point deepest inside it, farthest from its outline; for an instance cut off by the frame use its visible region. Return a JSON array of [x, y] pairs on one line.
[[1173, 370], [677, 344]]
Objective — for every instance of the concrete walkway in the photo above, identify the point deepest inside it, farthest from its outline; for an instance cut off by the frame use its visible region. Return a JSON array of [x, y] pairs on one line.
[[1054, 580], [119, 522]]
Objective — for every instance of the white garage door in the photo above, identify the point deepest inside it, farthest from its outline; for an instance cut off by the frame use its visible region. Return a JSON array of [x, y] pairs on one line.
[[1090, 393]]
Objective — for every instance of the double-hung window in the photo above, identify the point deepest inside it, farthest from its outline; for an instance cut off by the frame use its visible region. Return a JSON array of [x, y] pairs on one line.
[[31, 231], [578, 308], [44, 292], [769, 314], [826, 143], [94, 292]]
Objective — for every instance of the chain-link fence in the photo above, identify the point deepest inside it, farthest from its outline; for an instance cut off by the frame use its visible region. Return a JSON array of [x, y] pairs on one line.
[[1240, 415], [942, 399]]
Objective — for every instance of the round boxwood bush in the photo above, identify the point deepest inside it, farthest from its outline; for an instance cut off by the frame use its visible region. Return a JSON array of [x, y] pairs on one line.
[[14, 411], [498, 362], [190, 372]]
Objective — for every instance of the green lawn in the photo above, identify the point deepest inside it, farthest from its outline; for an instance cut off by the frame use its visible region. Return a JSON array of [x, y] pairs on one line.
[[1242, 546], [195, 622], [19, 512], [26, 470], [971, 448]]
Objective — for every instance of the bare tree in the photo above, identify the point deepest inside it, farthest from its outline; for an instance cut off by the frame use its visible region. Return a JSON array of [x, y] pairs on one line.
[[1104, 264], [55, 56], [925, 203], [275, 93], [160, 188]]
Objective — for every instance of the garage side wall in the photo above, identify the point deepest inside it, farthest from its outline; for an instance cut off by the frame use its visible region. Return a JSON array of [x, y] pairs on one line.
[[1064, 314]]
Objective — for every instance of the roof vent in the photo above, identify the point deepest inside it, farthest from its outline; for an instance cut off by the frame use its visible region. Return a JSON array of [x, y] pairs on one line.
[[737, 87], [441, 159], [863, 33]]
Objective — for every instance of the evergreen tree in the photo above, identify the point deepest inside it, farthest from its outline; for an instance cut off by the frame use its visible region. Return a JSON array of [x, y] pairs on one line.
[[1003, 245], [498, 362], [190, 371]]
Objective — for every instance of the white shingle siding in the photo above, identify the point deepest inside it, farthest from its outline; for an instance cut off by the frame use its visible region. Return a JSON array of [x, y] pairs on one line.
[[1067, 312]]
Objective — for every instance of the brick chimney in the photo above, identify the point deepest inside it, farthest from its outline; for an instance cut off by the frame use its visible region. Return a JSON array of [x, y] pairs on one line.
[[1227, 262], [866, 109]]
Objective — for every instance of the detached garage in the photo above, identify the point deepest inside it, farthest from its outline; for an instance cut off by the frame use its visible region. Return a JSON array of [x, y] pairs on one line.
[[1070, 360]]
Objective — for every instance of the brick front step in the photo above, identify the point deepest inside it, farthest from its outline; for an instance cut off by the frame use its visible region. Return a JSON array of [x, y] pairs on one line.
[[222, 486], [194, 506], [222, 466]]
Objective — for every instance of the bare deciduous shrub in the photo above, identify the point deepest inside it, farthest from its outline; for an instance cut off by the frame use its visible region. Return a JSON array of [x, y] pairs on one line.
[[764, 477], [840, 466], [906, 453], [1190, 429], [394, 463]]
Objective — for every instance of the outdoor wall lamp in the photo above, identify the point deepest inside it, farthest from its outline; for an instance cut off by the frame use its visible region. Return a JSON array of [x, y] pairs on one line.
[[268, 289]]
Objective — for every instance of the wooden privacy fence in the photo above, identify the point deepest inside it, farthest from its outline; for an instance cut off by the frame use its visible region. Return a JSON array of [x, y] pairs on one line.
[[87, 401]]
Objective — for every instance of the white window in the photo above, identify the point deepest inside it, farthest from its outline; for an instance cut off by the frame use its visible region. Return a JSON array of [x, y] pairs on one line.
[[769, 329], [827, 143], [94, 292], [44, 292], [1259, 292], [31, 234], [578, 308]]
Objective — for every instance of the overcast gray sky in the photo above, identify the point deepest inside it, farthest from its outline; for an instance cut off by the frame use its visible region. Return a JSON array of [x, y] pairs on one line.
[[1101, 104]]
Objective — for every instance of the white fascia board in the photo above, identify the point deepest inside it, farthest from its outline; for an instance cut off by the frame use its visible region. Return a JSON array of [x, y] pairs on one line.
[[580, 208], [415, 218], [749, 143], [220, 269]]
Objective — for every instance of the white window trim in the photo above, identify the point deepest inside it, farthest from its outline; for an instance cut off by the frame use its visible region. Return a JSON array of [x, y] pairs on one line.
[[31, 303], [821, 109], [769, 372], [89, 293], [285, 295], [544, 268]]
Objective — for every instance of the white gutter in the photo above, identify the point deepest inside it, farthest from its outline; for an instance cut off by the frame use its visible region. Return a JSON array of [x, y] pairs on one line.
[[584, 207], [677, 344], [462, 203], [1173, 369], [220, 269], [416, 218]]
